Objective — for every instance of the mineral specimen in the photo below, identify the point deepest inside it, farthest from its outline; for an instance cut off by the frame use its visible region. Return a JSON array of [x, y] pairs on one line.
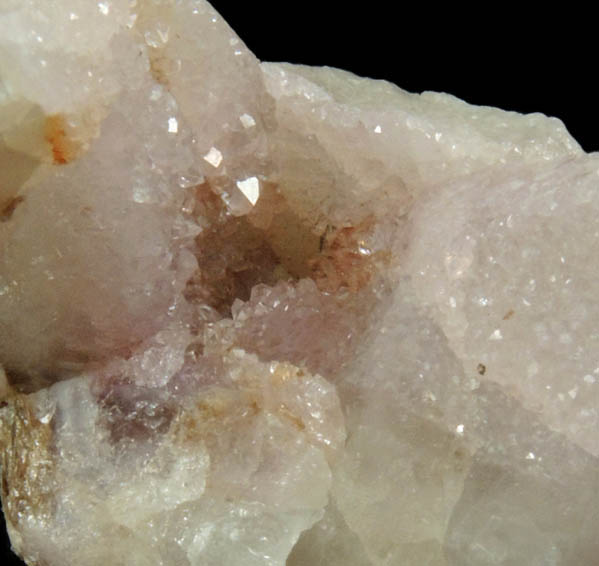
[[266, 314]]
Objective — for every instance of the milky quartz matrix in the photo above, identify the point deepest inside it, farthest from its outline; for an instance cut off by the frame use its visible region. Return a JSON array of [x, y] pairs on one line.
[[257, 314]]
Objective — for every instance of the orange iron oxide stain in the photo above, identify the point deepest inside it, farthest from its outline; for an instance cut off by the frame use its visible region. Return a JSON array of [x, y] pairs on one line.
[[63, 149]]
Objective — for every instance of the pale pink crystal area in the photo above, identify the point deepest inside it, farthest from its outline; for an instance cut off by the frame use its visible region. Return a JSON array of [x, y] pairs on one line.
[[256, 314]]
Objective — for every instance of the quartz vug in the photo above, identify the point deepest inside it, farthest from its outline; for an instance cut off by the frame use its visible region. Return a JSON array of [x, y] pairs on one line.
[[266, 314]]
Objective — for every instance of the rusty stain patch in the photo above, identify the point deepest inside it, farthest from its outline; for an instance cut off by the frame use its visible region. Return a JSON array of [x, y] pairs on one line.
[[159, 68], [200, 422], [26, 462], [344, 259], [509, 314], [8, 208], [64, 149], [293, 419]]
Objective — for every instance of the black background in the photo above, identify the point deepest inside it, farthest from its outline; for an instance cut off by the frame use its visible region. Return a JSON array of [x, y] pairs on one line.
[[543, 63], [6, 556]]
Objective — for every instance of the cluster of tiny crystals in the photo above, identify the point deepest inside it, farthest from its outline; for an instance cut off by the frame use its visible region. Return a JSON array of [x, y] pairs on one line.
[[259, 314]]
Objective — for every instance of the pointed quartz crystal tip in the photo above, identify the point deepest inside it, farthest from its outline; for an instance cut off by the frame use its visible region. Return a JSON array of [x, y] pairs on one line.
[[250, 188], [261, 314]]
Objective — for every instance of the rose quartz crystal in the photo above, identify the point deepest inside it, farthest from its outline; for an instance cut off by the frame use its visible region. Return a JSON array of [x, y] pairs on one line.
[[256, 314]]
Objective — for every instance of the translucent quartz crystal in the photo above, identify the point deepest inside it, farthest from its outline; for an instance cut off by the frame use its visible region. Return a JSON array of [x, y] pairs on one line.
[[265, 314]]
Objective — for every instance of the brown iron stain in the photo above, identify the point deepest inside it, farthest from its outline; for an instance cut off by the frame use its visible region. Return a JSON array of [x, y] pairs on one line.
[[9, 207], [201, 423], [64, 149], [221, 409], [159, 68], [26, 462], [344, 259], [509, 314], [295, 421]]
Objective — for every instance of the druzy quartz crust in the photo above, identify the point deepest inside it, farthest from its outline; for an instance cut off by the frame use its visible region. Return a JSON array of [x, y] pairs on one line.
[[268, 314]]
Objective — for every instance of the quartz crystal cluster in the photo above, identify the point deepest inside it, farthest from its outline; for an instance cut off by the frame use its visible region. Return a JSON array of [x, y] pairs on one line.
[[258, 314]]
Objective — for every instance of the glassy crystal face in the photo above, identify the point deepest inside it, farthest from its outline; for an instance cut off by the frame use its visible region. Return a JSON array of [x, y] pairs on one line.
[[266, 314]]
